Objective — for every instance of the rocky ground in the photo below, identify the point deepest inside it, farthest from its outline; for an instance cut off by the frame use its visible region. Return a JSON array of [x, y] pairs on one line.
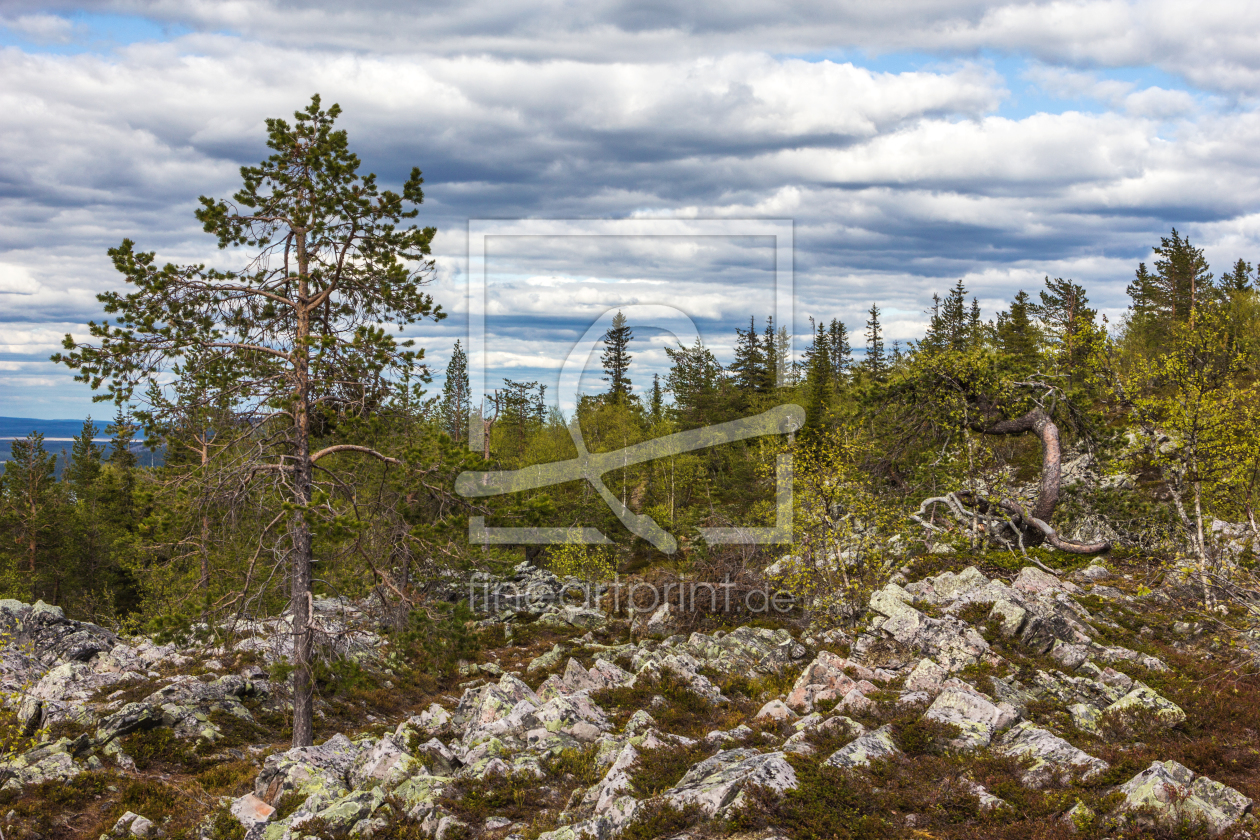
[[972, 701]]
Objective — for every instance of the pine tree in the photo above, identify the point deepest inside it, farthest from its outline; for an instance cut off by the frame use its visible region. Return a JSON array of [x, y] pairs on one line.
[[1016, 333], [1170, 295], [875, 361], [616, 357], [332, 259], [1067, 322], [455, 397]]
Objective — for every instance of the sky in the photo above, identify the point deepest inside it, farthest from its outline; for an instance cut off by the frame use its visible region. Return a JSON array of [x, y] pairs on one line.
[[910, 144]]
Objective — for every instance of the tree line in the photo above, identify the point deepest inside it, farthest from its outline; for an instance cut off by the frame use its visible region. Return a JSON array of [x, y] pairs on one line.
[[305, 458]]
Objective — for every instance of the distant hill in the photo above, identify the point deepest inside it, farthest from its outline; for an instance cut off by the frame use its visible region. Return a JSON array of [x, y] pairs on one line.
[[58, 435]]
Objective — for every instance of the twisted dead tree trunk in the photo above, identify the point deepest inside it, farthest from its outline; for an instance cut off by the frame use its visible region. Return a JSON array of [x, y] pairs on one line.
[[1005, 520]]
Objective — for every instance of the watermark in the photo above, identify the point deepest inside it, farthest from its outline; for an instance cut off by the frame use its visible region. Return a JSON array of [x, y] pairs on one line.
[[643, 597], [591, 466]]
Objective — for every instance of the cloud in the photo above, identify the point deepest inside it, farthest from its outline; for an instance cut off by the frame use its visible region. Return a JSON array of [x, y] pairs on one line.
[[899, 180]]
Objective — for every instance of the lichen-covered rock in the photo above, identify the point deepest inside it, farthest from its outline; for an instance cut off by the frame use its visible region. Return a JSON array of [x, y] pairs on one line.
[[927, 677], [866, 748], [52, 762], [1144, 700], [823, 680], [976, 714], [1050, 755], [716, 784], [250, 811], [310, 771], [775, 711], [1173, 791]]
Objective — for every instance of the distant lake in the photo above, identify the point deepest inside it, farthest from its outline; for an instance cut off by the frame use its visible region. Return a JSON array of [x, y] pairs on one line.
[[59, 437]]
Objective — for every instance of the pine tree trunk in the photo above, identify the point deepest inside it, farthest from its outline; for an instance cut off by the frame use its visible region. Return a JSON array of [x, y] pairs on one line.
[[303, 549]]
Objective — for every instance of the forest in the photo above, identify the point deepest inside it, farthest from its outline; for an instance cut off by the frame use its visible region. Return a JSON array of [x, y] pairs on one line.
[[304, 457]]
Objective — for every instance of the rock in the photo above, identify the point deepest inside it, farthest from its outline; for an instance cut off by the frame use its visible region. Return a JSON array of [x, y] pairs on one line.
[[550, 659], [1173, 791], [1050, 755], [776, 711], [927, 677], [822, 680], [976, 715], [716, 784], [1034, 581], [1094, 572], [854, 702], [948, 586], [386, 764], [872, 745], [310, 771], [51, 762], [640, 721], [582, 618], [1010, 617], [249, 811], [1143, 699], [661, 621], [988, 802], [132, 824]]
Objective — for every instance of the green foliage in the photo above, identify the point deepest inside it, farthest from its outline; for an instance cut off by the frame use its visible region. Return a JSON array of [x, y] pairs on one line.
[[433, 643], [659, 769]]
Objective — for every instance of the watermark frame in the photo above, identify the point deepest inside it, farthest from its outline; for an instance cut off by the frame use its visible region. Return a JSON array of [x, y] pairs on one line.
[[783, 419]]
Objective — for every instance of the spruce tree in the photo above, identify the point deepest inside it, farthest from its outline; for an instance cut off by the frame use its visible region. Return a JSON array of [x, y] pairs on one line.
[[1067, 321], [749, 366], [616, 357], [658, 403], [455, 398], [875, 361], [84, 466], [1237, 279], [1017, 334], [840, 352], [29, 486], [769, 359]]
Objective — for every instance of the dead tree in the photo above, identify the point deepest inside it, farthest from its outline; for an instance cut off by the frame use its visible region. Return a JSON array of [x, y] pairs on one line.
[[1004, 521]]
